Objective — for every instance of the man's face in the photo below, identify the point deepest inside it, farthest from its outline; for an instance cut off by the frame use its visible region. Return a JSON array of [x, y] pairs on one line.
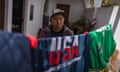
[[57, 21]]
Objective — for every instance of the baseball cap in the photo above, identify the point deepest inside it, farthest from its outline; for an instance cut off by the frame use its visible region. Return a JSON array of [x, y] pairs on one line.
[[56, 12]]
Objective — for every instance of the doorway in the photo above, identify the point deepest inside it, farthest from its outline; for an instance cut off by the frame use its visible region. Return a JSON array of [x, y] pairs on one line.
[[2, 9], [66, 9], [18, 15]]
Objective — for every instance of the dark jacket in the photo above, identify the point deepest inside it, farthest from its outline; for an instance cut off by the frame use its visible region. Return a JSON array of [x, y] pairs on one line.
[[15, 54], [47, 32]]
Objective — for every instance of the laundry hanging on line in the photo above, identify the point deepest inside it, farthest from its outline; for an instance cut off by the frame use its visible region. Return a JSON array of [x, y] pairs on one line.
[[62, 54], [101, 43], [69, 53]]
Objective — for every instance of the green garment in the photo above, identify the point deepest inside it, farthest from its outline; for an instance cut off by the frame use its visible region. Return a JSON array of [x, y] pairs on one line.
[[102, 47]]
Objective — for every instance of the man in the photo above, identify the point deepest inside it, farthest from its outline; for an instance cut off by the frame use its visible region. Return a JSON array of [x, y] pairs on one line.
[[57, 26]]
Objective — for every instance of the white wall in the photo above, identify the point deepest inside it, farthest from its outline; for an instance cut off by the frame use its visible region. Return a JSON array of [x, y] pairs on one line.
[[117, 35], [76, 8], [32, 27], [8, 16], [102, 15]]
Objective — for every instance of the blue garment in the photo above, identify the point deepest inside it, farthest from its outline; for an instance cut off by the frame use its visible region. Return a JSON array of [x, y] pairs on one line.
[[15, 53], [62, 54], [87, 53]]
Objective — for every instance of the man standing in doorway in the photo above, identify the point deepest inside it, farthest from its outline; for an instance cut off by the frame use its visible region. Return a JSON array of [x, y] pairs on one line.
[[57, 26]]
